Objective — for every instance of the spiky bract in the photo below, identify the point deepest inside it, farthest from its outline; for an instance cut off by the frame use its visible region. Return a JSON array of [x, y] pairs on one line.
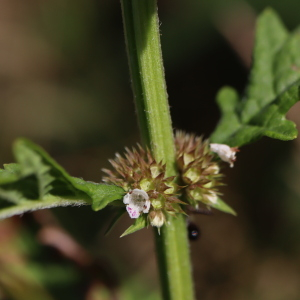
[[199, 171], [139, 170]]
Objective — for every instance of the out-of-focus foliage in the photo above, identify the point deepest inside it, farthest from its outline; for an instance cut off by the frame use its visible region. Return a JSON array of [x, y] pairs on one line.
[[272, 91], [38, 182]]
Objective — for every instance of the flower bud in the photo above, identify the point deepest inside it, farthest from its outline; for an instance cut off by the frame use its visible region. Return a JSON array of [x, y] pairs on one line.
[[157, 218]]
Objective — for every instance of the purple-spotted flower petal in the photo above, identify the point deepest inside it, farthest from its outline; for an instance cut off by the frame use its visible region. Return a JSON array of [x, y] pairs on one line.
[[137, 202]]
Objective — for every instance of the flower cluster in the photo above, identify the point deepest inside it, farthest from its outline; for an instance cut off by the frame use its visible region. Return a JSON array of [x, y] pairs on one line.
[[149, 192], [198, 168]]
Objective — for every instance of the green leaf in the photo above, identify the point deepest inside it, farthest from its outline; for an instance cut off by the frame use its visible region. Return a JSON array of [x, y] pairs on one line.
[[49, 201], [38, 182], [269, 39], [140, 223], [50, 175], [8, 174], [103, 194], [227, 100], [273, 89], [222, 206]]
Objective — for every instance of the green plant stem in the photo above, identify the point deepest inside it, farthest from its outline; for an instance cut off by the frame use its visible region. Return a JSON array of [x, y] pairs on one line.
[[148, 83]]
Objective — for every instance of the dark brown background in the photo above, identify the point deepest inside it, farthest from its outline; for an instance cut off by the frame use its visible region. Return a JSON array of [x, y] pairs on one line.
[[64, 83]]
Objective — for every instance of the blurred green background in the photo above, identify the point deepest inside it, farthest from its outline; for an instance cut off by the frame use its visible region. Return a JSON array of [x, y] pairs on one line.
[[64, 83]]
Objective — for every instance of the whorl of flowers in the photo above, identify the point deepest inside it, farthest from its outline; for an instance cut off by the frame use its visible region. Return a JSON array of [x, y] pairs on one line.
[[198, 168], [148, 190]]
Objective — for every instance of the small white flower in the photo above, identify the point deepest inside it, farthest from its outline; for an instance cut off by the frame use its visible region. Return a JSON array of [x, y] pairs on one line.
[[225, 152], [137, 201]]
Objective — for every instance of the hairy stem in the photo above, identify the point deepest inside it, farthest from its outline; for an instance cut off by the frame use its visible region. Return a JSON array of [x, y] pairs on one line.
[[147, 73]]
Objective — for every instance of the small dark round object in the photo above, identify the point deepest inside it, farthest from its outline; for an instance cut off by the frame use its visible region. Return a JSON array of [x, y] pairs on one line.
[[193, 232]]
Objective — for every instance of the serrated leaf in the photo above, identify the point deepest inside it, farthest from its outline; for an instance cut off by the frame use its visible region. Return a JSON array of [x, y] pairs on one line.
[[287, 63], [8, 174], [269, 39], [51, 176], [38, 182], [222, 206], [12, 196], [101, 194], [227, 100], [12, 168], [270, 121], [140, 223], [273, 89]]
